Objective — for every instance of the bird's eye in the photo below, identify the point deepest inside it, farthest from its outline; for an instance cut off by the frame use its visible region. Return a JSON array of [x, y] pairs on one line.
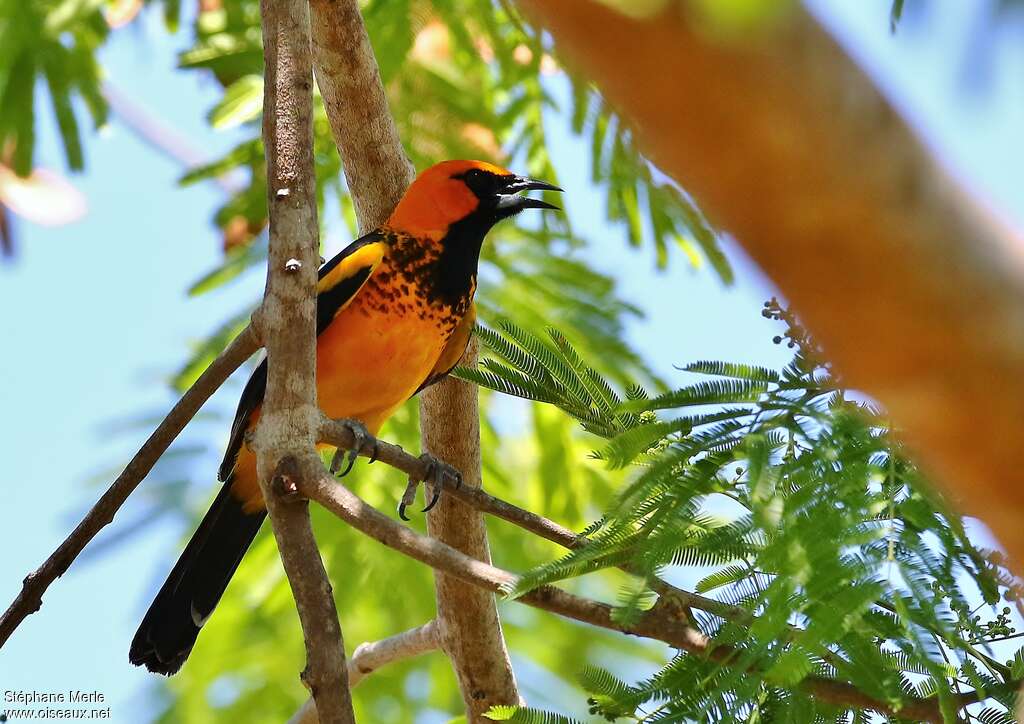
[[479, 181]]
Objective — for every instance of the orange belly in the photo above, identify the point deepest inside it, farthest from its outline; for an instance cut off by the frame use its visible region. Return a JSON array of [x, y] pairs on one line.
[[369, 361]]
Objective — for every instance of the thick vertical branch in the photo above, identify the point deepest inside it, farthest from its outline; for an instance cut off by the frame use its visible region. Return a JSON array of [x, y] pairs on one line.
[[470, 629], [376, 167], [378, 173], [287, 323]]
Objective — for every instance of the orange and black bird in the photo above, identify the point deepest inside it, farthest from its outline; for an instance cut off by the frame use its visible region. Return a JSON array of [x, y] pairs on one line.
[[394, 315]]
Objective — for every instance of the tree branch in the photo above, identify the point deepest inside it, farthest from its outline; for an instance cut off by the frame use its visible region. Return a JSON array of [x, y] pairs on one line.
[[287, 321], [333, 433], [378, 173], [658, 624], [376, 167], [471, 632], [788, 145], [370, 656], [30, 598]]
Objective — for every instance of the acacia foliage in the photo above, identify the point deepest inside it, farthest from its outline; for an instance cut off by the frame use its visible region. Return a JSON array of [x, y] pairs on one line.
[[796, 503]]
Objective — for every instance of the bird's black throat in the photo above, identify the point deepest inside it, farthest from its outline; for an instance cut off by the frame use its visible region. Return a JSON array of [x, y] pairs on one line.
[[453, 275]]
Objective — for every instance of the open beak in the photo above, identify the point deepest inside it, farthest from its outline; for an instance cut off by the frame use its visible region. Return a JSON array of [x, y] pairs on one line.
[[511, 201]]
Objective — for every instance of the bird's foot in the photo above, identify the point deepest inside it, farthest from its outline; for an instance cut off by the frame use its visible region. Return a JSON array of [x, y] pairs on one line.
[[359, 437], [438, 476]]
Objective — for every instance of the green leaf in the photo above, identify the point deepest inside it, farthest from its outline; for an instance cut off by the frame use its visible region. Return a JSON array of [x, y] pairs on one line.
[[712, 392], [752, 373], [246, 153], [236, 262], [242, 102], [724, 577], [18, 100], [895, 14], [66, 121], [624, 448], [67, 13], [172, 15], [994, 716], [792, 667], [522, 715], [612, 697]]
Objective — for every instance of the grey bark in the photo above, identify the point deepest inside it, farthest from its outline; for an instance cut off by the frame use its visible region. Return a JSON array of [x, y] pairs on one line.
[[378, 173], [286, 321]]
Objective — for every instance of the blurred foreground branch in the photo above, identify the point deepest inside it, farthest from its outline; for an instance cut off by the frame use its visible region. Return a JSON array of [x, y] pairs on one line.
[[789, 146]]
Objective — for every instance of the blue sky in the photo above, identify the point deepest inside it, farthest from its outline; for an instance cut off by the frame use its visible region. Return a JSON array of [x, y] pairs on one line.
[[114, 283]]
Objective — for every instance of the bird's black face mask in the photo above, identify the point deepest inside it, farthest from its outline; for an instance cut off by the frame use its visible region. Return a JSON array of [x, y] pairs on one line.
[[501, 195]]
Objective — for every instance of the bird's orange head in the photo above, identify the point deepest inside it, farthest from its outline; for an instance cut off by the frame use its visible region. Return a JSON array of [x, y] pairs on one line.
[[474, 192]]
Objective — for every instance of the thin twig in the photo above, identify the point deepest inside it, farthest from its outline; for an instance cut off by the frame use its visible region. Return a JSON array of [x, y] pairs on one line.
[[30, 598], [340, 435], [287, 321], [370, 656]]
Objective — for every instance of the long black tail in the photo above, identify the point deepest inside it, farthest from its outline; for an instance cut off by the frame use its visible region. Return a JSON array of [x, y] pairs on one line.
[[188, 597]]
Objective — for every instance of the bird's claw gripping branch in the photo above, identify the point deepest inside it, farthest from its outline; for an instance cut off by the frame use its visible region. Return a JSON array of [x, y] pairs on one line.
[[435, 480], [360, 437]]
